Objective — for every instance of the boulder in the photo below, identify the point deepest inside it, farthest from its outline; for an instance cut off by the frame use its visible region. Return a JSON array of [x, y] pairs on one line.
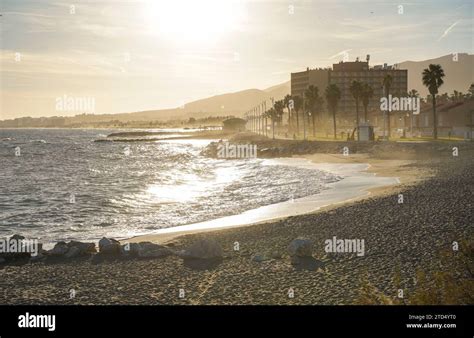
[[17, 237], [109, 246], [73, 251], [84, 248], [203, 249], [60, 249], [300, 247], [152, 250], [130, 249], [38, 258]]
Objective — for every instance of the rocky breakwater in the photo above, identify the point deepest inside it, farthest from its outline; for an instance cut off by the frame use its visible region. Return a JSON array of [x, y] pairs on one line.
[[202, 251], [269, 148]]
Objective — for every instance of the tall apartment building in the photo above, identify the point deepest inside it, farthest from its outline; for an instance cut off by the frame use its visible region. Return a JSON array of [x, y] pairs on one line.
[[302, 80], [343, 74]]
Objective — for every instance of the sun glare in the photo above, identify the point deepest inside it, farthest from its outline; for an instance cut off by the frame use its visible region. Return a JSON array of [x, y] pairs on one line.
[[191, 20]]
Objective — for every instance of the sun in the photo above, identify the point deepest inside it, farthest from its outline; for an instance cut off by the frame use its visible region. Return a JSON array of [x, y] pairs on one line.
[[192, 20]]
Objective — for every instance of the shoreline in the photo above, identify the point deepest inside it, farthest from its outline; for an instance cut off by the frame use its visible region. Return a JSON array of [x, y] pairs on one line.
[[328, 199], [402, 240]]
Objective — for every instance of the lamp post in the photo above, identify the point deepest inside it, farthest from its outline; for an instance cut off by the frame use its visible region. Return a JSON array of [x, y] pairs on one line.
[[264, 107]]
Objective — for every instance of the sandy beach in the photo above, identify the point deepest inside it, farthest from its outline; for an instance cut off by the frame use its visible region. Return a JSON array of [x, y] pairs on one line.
[[401, 240]]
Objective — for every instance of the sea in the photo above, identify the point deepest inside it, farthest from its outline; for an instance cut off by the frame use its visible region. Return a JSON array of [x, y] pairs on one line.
[[73, 184]]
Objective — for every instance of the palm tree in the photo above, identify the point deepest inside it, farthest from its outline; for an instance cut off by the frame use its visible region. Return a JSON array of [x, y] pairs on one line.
[[313, 101], [413, 93], [356, 91], [279, 107], [471, 90], [387, 83], [287, 101], [272, 115], [333, 95], [367, 93], [298, 104], [457, 96], [433, 79]]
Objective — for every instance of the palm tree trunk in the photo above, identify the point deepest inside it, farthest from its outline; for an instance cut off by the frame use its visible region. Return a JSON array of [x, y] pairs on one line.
[[365, 113], [297, 123], [289, 120], [314, 127], [334, 122], [273, 127], [389, 134], [435, 119], [304, 126], [388, 117], [357, 117]]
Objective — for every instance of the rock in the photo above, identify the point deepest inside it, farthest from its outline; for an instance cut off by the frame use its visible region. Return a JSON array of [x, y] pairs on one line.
[[68, 250], [295, 260], [260, 258], [2, 260], [300, 247], [73, 251], [144, 250], [60, 249], [130, 249], [203, 249], [152, 250], [17, 237], [109, 246], [84, 248], [38, 258]]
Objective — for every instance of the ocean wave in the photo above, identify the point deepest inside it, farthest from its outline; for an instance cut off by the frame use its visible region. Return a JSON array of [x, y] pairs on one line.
[[158, 185]]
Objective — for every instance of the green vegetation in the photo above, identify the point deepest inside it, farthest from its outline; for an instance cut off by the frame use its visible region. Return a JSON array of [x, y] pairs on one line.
[[453, 283]]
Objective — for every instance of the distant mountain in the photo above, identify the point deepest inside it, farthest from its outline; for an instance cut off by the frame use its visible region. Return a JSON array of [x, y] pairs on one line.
[[236, 104], [459, 74], [279, 91]]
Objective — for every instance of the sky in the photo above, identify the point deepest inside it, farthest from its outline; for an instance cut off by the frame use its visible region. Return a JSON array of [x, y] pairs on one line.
[[142, 55]]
